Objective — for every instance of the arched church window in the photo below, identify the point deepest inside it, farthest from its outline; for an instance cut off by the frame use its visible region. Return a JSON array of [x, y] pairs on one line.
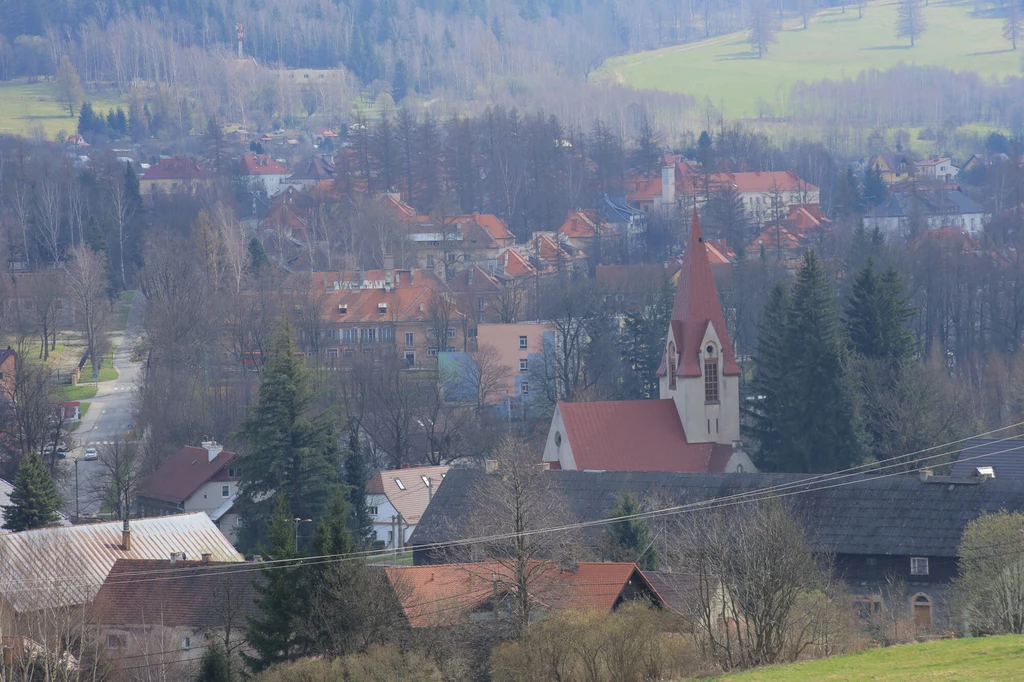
[[672, 366], [710, 375]]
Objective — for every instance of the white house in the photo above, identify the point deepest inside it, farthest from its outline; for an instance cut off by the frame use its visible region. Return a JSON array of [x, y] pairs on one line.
[[397, 499], [695, 425], [931, 208], [940, 170], [264, 173], [194, 479]]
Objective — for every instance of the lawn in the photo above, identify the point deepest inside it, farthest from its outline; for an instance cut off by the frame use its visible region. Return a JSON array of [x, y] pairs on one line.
[[962, 660], [24, 105], [80, 392], [107, 374], [835, 45]]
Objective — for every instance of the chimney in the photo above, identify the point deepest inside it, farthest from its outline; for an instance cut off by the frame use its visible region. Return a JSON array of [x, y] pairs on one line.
[[126, 537], [205, 556], [213, 448], [389, 270], [490, 466], [174, 558], [668, 186], [925, 474]]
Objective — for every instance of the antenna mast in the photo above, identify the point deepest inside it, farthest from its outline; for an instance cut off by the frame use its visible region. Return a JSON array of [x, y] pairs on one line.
[[241, 36]]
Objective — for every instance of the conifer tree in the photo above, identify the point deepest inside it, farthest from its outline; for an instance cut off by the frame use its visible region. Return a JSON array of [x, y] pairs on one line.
[[35, 499], [630, 539], [820, 427], [213, 667], [768, 388], [400, 86], [356, 479], [273, 633], [291, 451], [877, 313]]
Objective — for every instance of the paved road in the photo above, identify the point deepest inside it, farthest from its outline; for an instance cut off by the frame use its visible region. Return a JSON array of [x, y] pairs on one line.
[[110, 413]]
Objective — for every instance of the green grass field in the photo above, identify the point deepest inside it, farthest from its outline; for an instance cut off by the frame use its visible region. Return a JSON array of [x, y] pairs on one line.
[[960, 660], [835, 45], [26, 105], [79, 392]]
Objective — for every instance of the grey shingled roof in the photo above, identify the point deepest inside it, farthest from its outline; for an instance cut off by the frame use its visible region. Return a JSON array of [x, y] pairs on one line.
[[1006, 457], [896, 515]]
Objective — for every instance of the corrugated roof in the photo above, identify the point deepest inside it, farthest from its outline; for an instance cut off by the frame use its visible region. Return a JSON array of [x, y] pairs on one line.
[[182, 168], [1005, 456], [406, 489], [632, 435], [52, 567]]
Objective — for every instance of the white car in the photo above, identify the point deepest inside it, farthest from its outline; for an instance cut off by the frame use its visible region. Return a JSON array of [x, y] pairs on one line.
[[90, 454]]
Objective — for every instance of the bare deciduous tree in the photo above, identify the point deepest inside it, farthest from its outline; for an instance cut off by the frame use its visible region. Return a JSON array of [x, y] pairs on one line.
[[86, 285]]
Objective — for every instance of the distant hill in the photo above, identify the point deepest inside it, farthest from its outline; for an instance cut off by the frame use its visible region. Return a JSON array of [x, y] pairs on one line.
[[988, 659], [835, 45]]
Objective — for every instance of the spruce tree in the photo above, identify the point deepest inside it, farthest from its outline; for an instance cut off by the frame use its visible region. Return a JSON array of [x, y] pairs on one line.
[[356, 479], [877, 313], [875, 191], [213, 667], [630, 539], [400, 86], [768, 391], [290, 450], [35, 499], [820, 428], [280, 593]]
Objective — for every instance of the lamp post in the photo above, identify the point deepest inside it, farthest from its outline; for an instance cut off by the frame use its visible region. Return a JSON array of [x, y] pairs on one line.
[[296, 522]]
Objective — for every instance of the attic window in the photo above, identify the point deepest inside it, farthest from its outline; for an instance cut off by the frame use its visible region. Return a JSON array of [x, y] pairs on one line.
[[426, 481], [343, 309], [398, 482], [382, 308], [918, 565]]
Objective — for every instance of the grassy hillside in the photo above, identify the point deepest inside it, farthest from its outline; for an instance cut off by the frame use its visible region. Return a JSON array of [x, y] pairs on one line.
[[958, 660], [24, 105], [834, 45]]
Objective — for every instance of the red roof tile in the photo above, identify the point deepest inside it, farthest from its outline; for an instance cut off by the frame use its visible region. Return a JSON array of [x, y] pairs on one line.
[[631, 435], [763, 181], [696, 305], [514, 265], [181, 168], [261, 164], [182, 474]]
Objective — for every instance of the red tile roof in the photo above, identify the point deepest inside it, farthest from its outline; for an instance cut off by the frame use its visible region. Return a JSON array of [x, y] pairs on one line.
[[181, 168], [475, 279], [413, 500], [182, 474], [446, 594], [187, 594], [261, 164], [514, 265], [697, 305], [635, 278], [763, 181], [409, 299], [634, 435], [580, 225]]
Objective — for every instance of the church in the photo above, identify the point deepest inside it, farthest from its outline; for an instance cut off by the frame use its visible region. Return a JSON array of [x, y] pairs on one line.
[[695, 424]]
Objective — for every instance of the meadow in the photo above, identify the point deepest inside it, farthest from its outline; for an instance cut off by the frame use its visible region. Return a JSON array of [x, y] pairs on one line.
[[26, 106], [835, 45], [992, 659]]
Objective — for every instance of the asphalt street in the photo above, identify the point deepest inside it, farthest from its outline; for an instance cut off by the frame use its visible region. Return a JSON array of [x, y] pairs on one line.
[[109, 415]]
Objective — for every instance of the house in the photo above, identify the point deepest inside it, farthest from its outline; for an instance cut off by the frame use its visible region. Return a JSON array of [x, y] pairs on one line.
[[766, 193], [1004, 456], [194, 479], [451, 244], [65, 566], [679, 181], [551, 252], [375, 314], [935, 208], [695, 425], [789, 238], [520, 347], [443, 595], [937, 169], [623, 218], [584, 230], [173, 606], [322, 134], [264, 173], [8, 367], [479, 293], [514, 265], [77, 140], [175, 175], [872, 526], [892, 167], [397, 499], [311, 172], [633, 286]]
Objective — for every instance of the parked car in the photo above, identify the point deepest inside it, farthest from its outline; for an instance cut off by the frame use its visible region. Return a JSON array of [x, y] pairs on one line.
[[90, 454]]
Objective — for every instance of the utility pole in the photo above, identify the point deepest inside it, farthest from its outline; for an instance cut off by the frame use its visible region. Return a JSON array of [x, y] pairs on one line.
[[78, 514]]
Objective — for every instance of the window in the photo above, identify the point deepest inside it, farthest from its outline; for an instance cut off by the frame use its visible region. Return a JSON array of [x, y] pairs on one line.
[[672, 366], [711, 382], [522, 343], [430, 261], [332, 353], [368, 352], [386, 335], [918, 565], [186, 642], [426, 481], [372, 511], [343, 309], [481, 304], [391, 537], [410, 340], [368, 336], [451, 349], [349, 336], [451, 257], [871, 561], [432, 352], [225, 491], [451, 332], [410, 360], [382, 308], [116, 641], [398, 482], [348, 353], [524, 389], [524, 365], [234, 472]]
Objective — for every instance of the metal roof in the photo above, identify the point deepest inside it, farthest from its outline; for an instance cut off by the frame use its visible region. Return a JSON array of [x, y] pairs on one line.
[[65, 566]]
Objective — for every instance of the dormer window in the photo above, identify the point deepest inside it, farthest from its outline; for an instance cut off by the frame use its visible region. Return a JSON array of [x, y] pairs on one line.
[[343, 309], [398, 482], [382, 308]]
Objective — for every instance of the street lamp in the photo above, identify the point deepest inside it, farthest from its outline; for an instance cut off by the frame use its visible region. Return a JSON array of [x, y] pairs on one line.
[[295, 522]]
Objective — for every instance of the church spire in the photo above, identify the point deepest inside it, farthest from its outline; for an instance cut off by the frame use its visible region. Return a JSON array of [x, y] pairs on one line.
[[697, 304]]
